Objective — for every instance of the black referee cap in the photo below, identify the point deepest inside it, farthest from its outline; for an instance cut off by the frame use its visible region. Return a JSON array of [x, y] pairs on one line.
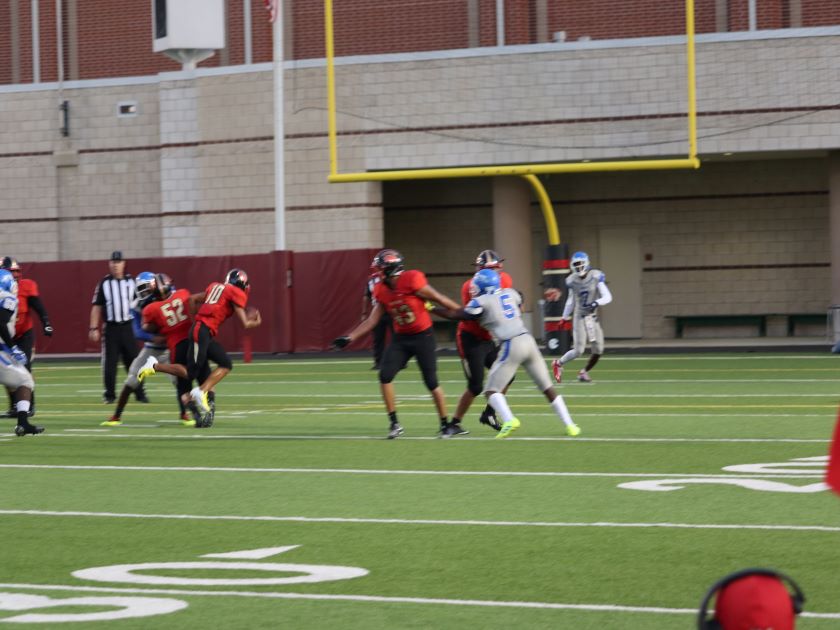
[[117, 256]]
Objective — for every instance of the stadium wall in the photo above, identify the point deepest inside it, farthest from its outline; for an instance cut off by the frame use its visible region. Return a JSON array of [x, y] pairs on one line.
[[191, 174], [288, 289]]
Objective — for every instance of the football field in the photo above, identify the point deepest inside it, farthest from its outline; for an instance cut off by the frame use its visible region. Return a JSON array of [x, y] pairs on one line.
[[294, 511]]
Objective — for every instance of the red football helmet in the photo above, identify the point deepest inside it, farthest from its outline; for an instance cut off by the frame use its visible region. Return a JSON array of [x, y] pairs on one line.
[[238, 278], [389, 262], [488, 259]]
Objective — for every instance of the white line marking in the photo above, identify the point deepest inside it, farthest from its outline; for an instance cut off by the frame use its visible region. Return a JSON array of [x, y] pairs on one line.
[[420, 521], [466, 440], [525, 394], [388, 600], [252, 554], [363, 471]]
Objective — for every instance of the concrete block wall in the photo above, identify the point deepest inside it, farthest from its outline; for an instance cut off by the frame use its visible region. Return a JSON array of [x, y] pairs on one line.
[[192, 173]]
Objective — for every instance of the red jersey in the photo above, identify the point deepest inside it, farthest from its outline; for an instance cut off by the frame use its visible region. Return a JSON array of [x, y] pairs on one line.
[[472, 326], [407, 311], [26, 288], [219, 303], [170, 317]]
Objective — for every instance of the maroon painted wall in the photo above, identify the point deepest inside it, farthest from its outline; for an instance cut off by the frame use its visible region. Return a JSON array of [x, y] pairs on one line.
[[306, 299]]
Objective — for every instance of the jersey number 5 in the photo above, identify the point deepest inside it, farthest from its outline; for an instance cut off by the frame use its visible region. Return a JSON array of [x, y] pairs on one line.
[[507, 308], [174, 312]]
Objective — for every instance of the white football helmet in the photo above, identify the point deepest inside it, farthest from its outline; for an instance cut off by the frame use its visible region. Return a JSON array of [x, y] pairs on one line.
[[580, 263]]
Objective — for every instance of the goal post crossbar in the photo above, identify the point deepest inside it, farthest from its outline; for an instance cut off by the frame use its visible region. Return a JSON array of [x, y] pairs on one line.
[[689, 162]]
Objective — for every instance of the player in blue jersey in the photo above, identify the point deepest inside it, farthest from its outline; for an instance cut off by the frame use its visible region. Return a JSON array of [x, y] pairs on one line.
[[13, 373]]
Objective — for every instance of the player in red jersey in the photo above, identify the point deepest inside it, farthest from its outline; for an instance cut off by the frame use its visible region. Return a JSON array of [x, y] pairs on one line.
[[403, 295], [221, 300], [28, 300], [169, 317], [476, 346]]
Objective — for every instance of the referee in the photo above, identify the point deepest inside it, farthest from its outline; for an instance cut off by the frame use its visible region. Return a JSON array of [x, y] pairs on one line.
[[112, 304]]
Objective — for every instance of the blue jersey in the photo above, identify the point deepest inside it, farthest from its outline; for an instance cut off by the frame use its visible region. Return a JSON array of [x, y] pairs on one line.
[[9, 302], [146, 337]]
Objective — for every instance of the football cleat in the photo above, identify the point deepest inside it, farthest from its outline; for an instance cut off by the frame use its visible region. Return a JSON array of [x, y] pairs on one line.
[[453, 429], [557, 370], [188, 422], [113, 422], [200, 399], [147, 370], [583, 377], [395, 430], [573, 430], [29, 429], [490, 420], [508, 428]]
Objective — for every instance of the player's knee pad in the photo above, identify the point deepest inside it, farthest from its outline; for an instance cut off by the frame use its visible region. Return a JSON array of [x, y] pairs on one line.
[[384, 379], [132, 381], [475, 387], [430, 382]]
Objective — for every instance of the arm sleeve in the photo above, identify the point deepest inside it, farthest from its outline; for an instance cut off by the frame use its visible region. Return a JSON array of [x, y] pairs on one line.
[[36, 305], [137, 326], [5, 317], [98, 296], [570, 304], [473, 308], [604, 293]]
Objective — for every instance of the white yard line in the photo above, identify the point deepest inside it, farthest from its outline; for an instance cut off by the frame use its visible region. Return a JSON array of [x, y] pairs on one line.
[[612, 608], [405, 521], [449, 473], [119, 433]]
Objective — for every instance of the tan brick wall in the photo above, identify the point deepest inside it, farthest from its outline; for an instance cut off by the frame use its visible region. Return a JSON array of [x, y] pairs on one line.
[[192, 173]]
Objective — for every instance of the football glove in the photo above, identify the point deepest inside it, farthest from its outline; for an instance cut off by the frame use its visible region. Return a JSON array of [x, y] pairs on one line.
[[48, 330], [592, 306], [341, 342], [430, 306], [18, 355]]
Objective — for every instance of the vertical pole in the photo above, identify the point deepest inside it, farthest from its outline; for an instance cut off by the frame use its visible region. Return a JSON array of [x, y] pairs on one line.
[[328, 36], [279, 137], [246, 25], [753, 15], [500, 22], [691, 62], [36, 43]]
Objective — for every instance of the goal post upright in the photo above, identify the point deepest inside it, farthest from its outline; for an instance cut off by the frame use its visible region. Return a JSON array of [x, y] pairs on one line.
[[689, 162]]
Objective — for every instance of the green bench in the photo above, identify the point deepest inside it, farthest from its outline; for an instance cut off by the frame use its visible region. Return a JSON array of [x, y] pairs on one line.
[[757, 320]]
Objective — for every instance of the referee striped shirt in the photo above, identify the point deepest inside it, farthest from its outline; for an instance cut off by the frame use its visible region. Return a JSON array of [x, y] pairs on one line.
[[115, 296]]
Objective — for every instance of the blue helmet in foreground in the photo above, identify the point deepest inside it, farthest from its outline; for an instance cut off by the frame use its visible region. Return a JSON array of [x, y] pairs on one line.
[[485, 281], [145, 285], [7, 281], [580, 263]]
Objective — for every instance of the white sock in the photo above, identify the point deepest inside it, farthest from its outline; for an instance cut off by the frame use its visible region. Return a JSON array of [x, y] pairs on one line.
[[571, 354], [22, 405], [499, 403], [560, 409]]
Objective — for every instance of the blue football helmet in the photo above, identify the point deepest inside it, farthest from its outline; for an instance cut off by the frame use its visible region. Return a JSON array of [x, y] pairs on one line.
[[485, 281], [580, 263], [145, 285], [7, 281]]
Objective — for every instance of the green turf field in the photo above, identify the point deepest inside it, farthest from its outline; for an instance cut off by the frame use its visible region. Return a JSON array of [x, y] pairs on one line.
[[294, 511]]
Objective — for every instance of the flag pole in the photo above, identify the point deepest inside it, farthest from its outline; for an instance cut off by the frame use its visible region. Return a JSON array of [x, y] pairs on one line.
[[279, 139]]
